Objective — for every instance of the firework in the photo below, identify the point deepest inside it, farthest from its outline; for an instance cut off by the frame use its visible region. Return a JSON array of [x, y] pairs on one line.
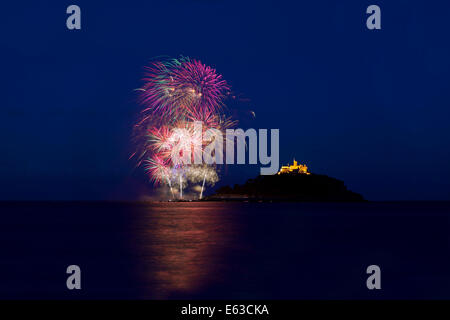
[[178, 95], [176, 88], [203, 174], [158, 171]]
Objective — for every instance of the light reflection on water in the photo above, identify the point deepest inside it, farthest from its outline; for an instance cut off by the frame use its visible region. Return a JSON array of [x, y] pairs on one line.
[[224, 250], [286, 250], [183, 247]]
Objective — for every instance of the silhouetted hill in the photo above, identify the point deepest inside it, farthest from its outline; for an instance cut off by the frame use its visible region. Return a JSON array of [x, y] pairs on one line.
[[288, 187]]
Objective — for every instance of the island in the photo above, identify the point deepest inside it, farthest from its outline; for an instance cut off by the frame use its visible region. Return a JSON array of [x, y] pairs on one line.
[[291, 183]]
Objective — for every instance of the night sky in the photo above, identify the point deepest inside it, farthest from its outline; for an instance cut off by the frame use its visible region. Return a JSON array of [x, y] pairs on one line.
[[368, 107]]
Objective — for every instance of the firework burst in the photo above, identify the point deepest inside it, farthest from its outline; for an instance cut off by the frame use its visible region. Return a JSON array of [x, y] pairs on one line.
[[178, 94], [176, 88]]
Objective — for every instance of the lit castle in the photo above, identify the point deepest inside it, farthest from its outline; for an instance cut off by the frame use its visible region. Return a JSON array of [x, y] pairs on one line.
[[295, 168]]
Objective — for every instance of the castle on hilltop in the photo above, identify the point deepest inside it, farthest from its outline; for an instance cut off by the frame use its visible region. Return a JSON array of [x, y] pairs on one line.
[[295, 168]]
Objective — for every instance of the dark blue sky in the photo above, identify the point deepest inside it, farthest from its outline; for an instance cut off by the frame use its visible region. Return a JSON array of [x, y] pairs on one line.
[[368, 107]]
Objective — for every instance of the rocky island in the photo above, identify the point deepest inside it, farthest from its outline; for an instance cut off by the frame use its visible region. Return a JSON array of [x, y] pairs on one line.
[[291, 183]]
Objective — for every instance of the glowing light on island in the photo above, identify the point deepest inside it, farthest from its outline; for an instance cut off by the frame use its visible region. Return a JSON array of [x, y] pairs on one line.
[[177, 93]]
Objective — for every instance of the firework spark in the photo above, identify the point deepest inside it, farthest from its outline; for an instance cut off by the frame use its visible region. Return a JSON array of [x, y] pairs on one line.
[[176, 88], [178, 94]]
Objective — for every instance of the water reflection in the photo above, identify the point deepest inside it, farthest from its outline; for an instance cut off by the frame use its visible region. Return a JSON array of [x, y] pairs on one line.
[[183, 248]]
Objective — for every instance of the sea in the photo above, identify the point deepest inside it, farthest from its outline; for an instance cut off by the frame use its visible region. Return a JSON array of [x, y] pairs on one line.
[[224, 250]]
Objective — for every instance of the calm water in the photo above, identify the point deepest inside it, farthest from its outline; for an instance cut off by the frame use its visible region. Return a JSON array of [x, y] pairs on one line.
[[225, 250]]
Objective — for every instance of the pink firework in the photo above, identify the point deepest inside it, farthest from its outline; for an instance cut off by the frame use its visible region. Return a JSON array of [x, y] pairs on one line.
[[177, 95], [176, 88], [158, 169], [206, 89]]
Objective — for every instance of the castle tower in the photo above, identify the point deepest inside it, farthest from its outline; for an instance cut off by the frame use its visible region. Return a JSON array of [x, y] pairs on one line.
[[295, 168]]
